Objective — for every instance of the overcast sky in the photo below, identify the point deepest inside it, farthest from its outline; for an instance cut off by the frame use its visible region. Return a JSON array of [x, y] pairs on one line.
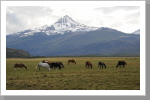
[[122, 18]]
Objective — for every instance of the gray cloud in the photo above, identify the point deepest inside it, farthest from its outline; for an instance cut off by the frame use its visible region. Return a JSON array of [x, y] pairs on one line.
[[21, 18]]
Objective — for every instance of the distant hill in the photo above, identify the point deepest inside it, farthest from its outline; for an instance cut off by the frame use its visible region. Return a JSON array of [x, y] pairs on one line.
[[16, 53]]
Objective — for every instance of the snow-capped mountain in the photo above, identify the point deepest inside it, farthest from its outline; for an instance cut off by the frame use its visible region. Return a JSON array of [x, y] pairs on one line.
[[64, 24], [136, 32], [78, 39]]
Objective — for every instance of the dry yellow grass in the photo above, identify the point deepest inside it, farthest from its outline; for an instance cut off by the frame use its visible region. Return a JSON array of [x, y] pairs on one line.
[[75, 77]]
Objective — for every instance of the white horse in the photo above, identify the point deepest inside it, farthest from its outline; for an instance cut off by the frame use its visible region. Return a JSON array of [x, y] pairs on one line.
[[44, 65]]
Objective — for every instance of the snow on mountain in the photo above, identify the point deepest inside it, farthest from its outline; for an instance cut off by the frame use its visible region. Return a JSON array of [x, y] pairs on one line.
[[63, 25], [136, 32]]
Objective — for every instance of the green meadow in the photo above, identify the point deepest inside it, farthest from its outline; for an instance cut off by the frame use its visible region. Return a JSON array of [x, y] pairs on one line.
[[74, 77]]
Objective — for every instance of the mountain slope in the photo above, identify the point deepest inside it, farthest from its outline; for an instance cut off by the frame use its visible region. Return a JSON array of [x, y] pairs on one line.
[[95, 42], [67, 37]]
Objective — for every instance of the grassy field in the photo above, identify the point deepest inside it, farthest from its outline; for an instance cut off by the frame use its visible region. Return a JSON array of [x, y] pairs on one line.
[[75, 77]]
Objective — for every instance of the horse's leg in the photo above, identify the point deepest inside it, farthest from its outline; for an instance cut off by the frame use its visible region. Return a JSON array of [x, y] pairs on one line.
[[49, 69], [123, 66], [117, 66]]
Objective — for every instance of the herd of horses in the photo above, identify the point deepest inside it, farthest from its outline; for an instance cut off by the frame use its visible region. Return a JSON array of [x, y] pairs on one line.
[[58, 65]]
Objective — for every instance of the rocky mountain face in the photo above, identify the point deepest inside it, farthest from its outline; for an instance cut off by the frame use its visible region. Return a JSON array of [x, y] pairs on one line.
[[68, 37]]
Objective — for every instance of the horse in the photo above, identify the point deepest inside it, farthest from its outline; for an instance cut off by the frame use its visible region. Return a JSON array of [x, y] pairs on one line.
[[101, 64], [71, 61], [88, 64], [44, 65], [121, 63], [45, 61], [20, 66], [57, 65]]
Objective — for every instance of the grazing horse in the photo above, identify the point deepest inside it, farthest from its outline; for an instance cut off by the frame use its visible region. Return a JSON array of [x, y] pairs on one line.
[[20, 66], [57, 65], [88, 64], [71, 61], [101, 64], [44, 65], [45, 61], [121, 63]]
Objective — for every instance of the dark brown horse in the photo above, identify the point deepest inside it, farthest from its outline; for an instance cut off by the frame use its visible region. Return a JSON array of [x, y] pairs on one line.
[[71, 61], [88, 64], [20, 66], [101, 64], [56, 65], [121, 63]]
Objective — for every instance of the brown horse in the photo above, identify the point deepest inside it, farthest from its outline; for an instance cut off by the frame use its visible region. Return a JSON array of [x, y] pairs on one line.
[[121, 63], [20, 66], [71, 61], [88, 64], [46, 61]]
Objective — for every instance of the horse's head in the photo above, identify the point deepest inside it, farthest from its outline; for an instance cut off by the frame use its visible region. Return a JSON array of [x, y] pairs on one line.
[[25, 67], [61, 64]]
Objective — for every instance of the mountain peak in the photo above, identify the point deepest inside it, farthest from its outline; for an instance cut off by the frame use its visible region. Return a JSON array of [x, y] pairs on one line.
[[65, 22], [66, 16]]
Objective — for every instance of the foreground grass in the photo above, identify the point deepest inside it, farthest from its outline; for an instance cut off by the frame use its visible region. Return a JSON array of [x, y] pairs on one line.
[[75, 77]]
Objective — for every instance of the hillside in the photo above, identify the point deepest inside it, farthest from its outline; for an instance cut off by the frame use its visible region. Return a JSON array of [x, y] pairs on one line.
[[16, 53]]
